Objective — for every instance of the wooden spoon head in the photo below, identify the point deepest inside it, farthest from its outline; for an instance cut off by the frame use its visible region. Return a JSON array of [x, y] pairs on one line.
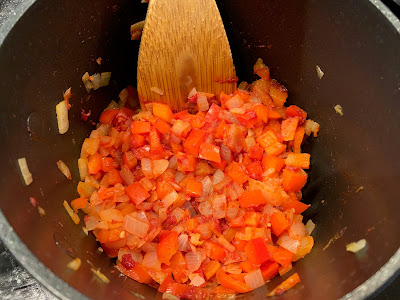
[[184, 45]]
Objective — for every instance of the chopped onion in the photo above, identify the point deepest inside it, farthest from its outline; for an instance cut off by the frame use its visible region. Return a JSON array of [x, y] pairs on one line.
[[136, 226], [250, 141], [151, 261], [87, 82], [91, 222], [192, 93], [170, 199], [320, 74], [217, 177], [219, 206], [226, 154], [178, 228], [147, 168], [142, 216], [207, 189], [254, 279], [105, 78], [169, 296], [205, 208], [149, 247], [183, 242], [157, 90], [62, 117], [173, 163], [83, 168], [96, 81], [178, 213], [179, 176], [159, 167], [288, 243], [234, 102], [41, 211], [224, 243], [193, 261], [100, 275], [356, 246], [339, 109], [311, 127], [75, 264], [72, 214], [197, 280], [26, 174], [202, 102], [64, 169], [85, 230], [297, 230], [309, 227], [179, 127], [233, 268], [284, 270]]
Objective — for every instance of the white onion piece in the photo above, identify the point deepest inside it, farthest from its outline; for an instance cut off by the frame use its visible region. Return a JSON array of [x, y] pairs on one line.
[[297, 230], [224, 243], [157, 90], [179, 176], [234, 102], [75, 264], [192, 93], [193, 261], [219, 206], [207, 189], [159, 167], [311, 126], [62, 117], [205, 208], [173, 163], [202, 102], [232, 211], [149, 247], [135, 254], [26, 174], [170, 199], [178, 213], [178, 228], [91, 222], [64, 169], [226, 153], [217, 177], [356, 246], [147, 168], [96, 81], [162, 214], [83, 168], [288, 243], [179, 127], [197, 280], [309, 227], [87, 82], [151, 261], [105, 78], [254, 279], [183, 242], [250, 141], [135, 226], [142, 216], [75, 218]]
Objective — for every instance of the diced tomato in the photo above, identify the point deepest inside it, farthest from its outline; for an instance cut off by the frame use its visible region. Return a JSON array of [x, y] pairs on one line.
[[237, 172], [137, 193], [167, 247], [155, 143], [252, 198], [178, 265], [295, 111], [94, 163], [186, 163], [288, 128], [273, 162], [255, 169], [279, 223], [210, 152], [137, 141], [211, 268], [193, 142], [248, 119], [79, 203], [162, 111], [194, 188], [269, 270], [214, 251], [230, 282], [293, 181], [107, 164], [108, 116], [140, 127], [280, 255], [256, 152], [130, 160], [162, 126], [257, 252], [299, 207]]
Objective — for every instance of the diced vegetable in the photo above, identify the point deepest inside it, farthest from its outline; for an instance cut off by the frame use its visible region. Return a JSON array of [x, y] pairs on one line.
[[64, 169], [62, 117], [356, 246], [75, 264], [286, 285], [26, 174]]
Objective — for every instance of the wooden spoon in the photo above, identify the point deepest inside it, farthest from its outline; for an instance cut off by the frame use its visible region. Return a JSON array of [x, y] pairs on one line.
[[184, 45]]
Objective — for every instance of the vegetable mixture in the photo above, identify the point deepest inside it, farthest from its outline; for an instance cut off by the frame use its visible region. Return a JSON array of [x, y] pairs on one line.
[[201, 205]]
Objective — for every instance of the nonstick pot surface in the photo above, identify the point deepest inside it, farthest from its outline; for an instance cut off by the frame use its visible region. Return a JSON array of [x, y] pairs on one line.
[[357, 47]]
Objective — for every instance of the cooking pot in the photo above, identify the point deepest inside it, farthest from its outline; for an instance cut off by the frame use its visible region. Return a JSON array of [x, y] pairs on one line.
[[47, 45]]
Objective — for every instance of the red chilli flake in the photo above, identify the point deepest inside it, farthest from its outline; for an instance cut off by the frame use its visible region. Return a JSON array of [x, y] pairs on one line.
[[84, 115], [127, 261], [229, 80], [33, 202]]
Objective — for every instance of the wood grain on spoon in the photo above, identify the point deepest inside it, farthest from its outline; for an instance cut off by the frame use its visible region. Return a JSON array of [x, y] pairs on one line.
[[184, 45]]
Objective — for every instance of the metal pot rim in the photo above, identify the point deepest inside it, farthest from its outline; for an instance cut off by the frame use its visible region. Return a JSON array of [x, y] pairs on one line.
[[64, 291]]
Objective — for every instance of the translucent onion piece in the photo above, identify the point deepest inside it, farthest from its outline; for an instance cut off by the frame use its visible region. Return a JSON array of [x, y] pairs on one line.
[[217, 177], [320, 74], [356, 246], [159, 167], [254, 279], [72, 214], [297, 230], [135, 226], [192, 93], [151, 261], [64, 169], [178, 213], [224, 243], [91, 222], [311, 127], [62, 117], [234, 102], [179, 127], [85, 230], [100, 275], [179, 176], [96, 80], [82, 166], [309, 227], [197, 280], [74, 265], [233, 268], [205, 208], [193, 261], [183, 242], [226, 154], [105, 78], [170, 199], [288, 243], [173, 163], [26, 174], [202, 102], [147, 168], [219, 206], [87, 82]]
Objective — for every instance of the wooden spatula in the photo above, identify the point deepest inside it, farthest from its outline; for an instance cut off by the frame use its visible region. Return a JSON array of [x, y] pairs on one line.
[[184, 45]]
